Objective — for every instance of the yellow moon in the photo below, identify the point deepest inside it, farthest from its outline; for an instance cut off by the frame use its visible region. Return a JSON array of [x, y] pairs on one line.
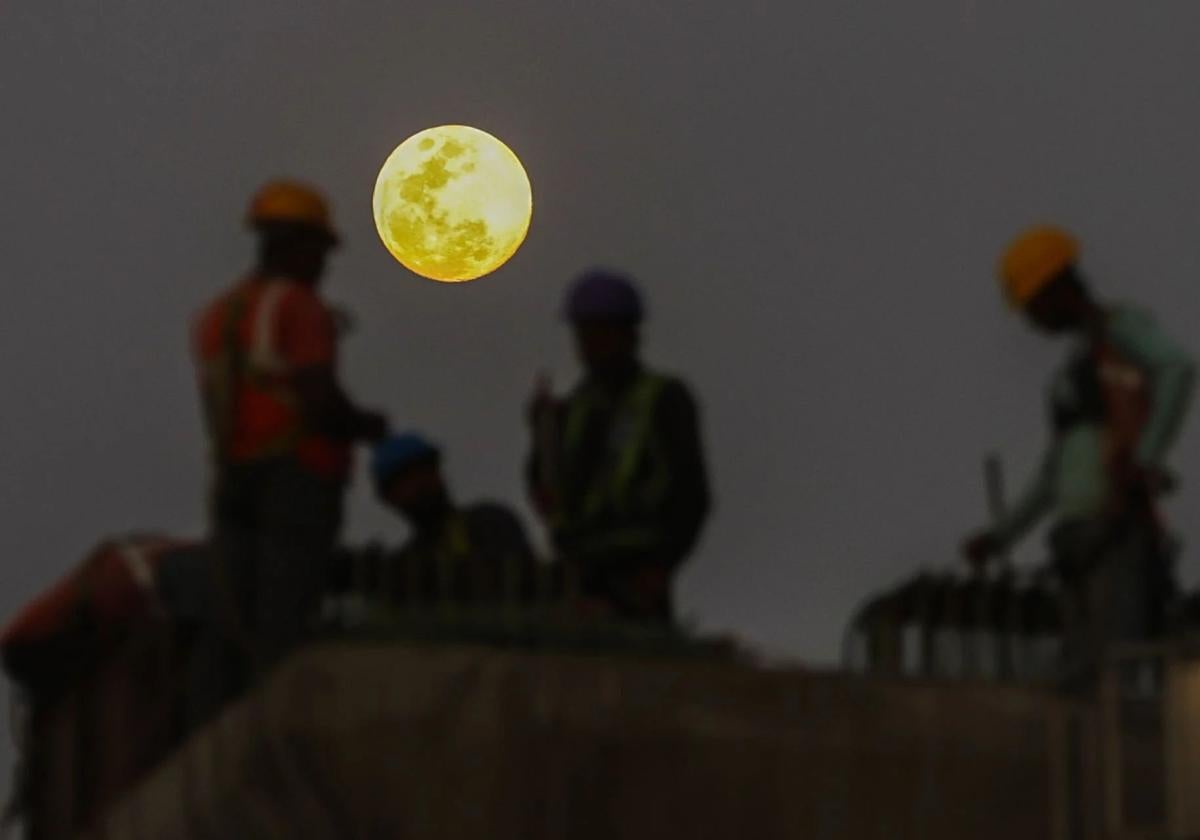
[[452, 203]]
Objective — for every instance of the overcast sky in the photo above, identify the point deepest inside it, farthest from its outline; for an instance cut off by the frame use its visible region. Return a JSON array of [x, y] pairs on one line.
[[813, 194]]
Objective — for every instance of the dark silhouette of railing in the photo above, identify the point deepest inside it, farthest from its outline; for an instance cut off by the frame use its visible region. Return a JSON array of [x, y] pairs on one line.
[[959, 626]]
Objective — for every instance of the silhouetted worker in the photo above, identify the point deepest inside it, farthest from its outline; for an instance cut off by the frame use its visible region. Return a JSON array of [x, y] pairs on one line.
[[280, 426], [477, 553], [1115, 408], [617, 467]]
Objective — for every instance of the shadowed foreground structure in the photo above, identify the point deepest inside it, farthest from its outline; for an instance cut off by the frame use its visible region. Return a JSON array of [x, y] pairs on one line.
[[517, 719], [403, 740]]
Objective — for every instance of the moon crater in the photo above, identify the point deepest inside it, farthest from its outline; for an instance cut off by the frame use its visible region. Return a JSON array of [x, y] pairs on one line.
[[452, 203]]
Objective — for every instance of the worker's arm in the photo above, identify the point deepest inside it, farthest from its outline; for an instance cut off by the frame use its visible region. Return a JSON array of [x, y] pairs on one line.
[[308, 338], [1033, 504], [511, 535], [689, 499], [541, 467], [1170, 371], [329, 412]]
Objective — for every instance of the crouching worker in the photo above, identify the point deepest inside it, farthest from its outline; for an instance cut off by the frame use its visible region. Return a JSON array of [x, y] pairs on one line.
[[470, 554]]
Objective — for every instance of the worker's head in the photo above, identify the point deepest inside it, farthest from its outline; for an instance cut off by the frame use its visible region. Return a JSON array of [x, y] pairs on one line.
[[1040, 278], [295, 230], [606, 311], [1063, 305], [407, 470]]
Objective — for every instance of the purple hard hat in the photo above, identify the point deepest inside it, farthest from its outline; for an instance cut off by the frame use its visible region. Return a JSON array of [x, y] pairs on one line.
[[600, 294]]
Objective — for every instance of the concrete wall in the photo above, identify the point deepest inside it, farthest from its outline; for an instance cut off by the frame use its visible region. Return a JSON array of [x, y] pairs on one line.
[[394, 741], [96, 731], [1183, 749]]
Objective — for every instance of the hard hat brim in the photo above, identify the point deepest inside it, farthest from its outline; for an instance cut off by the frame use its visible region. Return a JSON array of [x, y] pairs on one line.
[[332, 237]]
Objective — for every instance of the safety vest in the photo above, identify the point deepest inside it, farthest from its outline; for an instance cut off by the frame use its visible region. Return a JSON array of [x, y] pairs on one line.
[[615, 511], [1126, 395], [114, 585], [429, 569], [241, 381], [451, 551], [1102, 388]]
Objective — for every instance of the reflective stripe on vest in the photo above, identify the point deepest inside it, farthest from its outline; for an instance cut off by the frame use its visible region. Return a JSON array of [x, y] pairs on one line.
[[264, 357], [616, 484], [221, 376], [1126, 396], [137, 563], [263, 367], [451, 552]]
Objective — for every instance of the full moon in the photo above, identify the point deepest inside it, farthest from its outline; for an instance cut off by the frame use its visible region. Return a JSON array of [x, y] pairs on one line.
[[452, 203]]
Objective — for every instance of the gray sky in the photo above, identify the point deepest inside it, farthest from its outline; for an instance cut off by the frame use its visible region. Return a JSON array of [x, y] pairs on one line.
[[814, 195]]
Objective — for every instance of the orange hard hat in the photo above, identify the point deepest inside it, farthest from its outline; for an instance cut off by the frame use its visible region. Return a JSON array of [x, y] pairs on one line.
[[1033, 260], [291, 202]]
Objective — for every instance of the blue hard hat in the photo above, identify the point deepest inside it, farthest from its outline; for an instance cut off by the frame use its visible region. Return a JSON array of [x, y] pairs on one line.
[[399, 452], [600, 294]]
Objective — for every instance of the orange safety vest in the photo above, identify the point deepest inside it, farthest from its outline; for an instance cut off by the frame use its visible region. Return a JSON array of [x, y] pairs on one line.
[[253, 412], [112, 586], [1126, 397]]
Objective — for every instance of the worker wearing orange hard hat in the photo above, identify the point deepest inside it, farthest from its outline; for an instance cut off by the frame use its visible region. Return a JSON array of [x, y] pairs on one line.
[[280, 424], [1116, 407]]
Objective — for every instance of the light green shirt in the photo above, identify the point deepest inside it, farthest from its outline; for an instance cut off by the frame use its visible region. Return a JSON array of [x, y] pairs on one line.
[[1072, 480]]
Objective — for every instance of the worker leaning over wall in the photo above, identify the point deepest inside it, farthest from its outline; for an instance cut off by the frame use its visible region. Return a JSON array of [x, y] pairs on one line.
[[1116, 406]]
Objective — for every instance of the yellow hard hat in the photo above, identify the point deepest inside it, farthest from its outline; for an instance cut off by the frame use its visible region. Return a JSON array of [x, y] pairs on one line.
[[1034, 259], [291, 201]]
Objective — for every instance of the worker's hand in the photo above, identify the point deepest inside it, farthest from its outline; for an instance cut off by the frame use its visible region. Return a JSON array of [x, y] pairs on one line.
[[1136, 486], [979, 548], [343, 320], [543, 503], [542, 400], [1145, 481], [374, 426]]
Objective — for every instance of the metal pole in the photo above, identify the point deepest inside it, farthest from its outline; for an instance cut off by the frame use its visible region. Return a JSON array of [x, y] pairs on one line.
[[993, 475]]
